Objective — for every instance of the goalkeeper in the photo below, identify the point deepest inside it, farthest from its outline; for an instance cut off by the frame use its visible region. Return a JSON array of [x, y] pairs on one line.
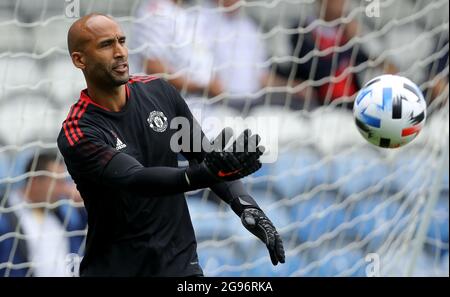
[[116, 143]]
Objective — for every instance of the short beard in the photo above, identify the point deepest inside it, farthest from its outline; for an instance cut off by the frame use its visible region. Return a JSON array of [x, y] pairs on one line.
[[116, 82], [107, 79]]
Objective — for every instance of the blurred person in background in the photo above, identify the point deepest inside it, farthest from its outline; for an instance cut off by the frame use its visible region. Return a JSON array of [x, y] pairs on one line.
[[210, 51], [337, 63], [41, 213], [172, 43], [434, 94], [240, 59]]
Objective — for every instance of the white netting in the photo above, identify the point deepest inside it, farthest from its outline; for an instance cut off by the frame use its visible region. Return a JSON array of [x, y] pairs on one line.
[[339, 203]]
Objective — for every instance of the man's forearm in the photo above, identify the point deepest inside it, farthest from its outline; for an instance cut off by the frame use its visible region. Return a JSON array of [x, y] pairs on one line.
[[124, 172], [235, 194]]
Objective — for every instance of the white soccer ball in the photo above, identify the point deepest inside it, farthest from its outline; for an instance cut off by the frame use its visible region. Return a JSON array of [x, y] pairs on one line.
[[390, 111]]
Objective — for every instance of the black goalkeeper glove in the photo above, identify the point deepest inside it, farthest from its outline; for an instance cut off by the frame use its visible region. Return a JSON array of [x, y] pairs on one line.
[[255, 221], [220, 164]]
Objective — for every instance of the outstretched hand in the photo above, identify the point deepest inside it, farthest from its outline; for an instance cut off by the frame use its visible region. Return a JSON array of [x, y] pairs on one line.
[[237, 160], [255, 221], [222, 163]]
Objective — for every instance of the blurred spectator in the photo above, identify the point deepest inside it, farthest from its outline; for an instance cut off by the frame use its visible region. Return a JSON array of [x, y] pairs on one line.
[[240, 58], [172, 43], [436, 73], [334, 64], [207, 50], [239, 53], [37, 220]]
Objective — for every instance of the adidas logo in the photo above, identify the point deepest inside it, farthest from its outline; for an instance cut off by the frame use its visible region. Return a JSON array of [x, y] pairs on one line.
[[120, 145]]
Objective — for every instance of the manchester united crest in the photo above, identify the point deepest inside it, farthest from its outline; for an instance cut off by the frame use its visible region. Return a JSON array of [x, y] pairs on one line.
[[157, 121]]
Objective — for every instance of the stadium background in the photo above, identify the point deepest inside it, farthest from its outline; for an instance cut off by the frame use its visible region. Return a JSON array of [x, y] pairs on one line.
[[334, 198]]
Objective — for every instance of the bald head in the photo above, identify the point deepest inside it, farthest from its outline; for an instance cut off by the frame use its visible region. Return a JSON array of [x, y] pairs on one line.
[[97, 46], [84, 30]]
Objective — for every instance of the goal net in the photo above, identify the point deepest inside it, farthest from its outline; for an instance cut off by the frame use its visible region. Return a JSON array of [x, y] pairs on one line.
[[289, 70]]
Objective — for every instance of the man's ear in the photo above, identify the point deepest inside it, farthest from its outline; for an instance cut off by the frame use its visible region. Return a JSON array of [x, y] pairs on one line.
[[78, 60]]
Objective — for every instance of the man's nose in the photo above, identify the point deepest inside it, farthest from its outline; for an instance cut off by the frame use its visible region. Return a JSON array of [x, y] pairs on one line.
[[120, 50]]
